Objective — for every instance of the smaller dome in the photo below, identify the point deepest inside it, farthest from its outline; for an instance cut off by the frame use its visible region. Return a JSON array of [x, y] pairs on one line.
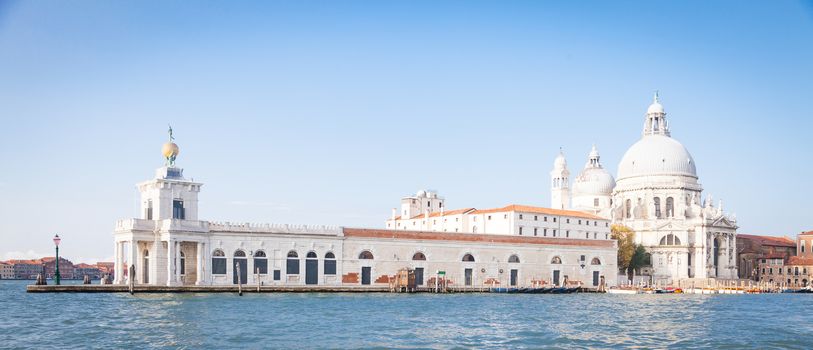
[[421, 193], [560, 162], [593, 182], [170, 149], [656, 106]]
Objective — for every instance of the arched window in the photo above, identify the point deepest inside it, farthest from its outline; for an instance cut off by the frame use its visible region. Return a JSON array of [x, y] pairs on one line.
[[670, 207], [260, 262], [218, 262], [330, 264], [595, 261], [311, 255], [292, 263], [556, 260], [418, 256], [657, 207], [670, 239], [513, 259], [627, 208], [183, 264], [468, 258], [366, 255], [474, 229], [239, 254]]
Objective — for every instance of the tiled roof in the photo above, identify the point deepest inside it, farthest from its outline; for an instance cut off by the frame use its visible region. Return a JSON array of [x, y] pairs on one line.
[[806, 233], [539, 210], [473, 237], [769, 240], [24, 261], [515, 208], [798, 260]]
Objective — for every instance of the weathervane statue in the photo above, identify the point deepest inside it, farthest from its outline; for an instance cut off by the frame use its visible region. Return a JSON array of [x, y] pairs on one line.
[[170, 150]]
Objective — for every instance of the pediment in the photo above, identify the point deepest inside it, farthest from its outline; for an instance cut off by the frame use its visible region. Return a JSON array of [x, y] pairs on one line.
[[723, 222]]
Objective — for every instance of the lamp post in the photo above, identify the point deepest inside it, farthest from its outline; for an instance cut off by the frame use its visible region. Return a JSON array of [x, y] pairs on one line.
[[56, 273]]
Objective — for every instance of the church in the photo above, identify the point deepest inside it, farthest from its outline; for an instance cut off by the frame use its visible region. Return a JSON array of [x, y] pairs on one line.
[[658, 195]]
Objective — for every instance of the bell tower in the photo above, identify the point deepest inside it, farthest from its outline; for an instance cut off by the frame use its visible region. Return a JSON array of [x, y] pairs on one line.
[[560, 183], [169, 195]]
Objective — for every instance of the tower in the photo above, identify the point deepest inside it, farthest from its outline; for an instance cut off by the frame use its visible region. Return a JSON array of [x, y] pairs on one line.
[[169, 195], [560, 183]]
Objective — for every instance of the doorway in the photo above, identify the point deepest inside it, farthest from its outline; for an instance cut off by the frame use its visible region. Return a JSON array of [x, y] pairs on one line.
[[240, 270], [311, 270], [365, 275]]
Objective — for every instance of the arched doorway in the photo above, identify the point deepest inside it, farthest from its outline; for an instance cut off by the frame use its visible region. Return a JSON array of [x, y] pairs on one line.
[[311, 269], [240, 273], [418, 256], [366, 271]]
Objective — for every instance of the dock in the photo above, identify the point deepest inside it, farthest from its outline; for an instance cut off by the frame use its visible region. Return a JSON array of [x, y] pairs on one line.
[[119, 288]]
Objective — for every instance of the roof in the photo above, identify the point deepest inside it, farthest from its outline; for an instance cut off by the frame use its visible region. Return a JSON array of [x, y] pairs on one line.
[[438, 213], [774, 256], [539, 210], [24, 261], [84, 266], [769, 240], [798, 260], [473, 237], [806, 233], [512, 207]]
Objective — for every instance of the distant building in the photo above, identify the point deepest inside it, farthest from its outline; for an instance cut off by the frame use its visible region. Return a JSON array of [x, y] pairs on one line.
[[752, 249], [26, 269], [81, 270], [105, 268], [793, 272], [6, 271], [65, 267]]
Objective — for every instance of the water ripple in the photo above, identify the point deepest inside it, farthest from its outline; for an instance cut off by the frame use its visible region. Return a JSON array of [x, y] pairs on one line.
[[369, 321]]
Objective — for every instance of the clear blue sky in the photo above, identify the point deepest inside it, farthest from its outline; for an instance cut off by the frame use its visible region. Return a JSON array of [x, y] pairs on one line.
[[329, 112]]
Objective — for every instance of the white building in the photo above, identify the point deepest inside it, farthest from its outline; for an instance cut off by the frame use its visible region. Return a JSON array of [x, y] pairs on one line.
[[657, 195], [516, 245]]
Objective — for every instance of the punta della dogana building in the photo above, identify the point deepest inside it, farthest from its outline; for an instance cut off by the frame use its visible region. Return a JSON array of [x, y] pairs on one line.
[[515, 245]]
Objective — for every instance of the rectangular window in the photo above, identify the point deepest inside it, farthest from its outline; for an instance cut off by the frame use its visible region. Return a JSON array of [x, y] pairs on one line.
[[595, 202], [330, 267], [489, 217], [568, 221], [545, 219], [277, 274], [567, 234], [520, 230], [544, 232], [262, 265], [554, 219], [580, 221], [178, 211], [535, 218], [535, 231], [520, 216], [218, 266], [148, 214]]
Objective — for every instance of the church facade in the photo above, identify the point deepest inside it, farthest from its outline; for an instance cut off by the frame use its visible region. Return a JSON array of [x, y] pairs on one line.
[[658, 195]]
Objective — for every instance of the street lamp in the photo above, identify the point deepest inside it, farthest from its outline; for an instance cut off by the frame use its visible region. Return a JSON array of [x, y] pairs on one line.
[[56, 273]]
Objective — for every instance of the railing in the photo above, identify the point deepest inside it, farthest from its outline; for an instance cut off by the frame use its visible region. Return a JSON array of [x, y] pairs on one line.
[[135, 225], [273, 228]]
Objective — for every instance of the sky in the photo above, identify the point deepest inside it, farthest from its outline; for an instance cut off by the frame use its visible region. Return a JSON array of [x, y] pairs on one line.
[[328, 112]]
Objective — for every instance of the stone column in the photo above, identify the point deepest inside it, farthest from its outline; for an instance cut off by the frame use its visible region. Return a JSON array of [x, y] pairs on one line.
[[133, 256], [178, 262], [170, 262], [117, 265], [199, 264], [156, 245]]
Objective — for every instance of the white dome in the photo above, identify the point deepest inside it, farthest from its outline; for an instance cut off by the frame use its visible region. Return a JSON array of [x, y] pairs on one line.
[[656, 155], [592, 182], [560, 162], [655, 107]]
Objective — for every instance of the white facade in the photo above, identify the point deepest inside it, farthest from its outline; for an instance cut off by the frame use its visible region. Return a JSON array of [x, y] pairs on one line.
[[169, 245], [657, 195]]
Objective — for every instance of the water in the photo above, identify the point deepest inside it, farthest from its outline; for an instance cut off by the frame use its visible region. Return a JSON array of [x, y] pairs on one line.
[[254, 321]]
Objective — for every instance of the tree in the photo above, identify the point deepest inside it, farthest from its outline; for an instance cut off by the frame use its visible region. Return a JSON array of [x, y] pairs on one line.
[[626, 246]]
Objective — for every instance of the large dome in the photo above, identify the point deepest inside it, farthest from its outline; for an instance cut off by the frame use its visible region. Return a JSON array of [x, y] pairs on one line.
[[593, 181], [656, 154]]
